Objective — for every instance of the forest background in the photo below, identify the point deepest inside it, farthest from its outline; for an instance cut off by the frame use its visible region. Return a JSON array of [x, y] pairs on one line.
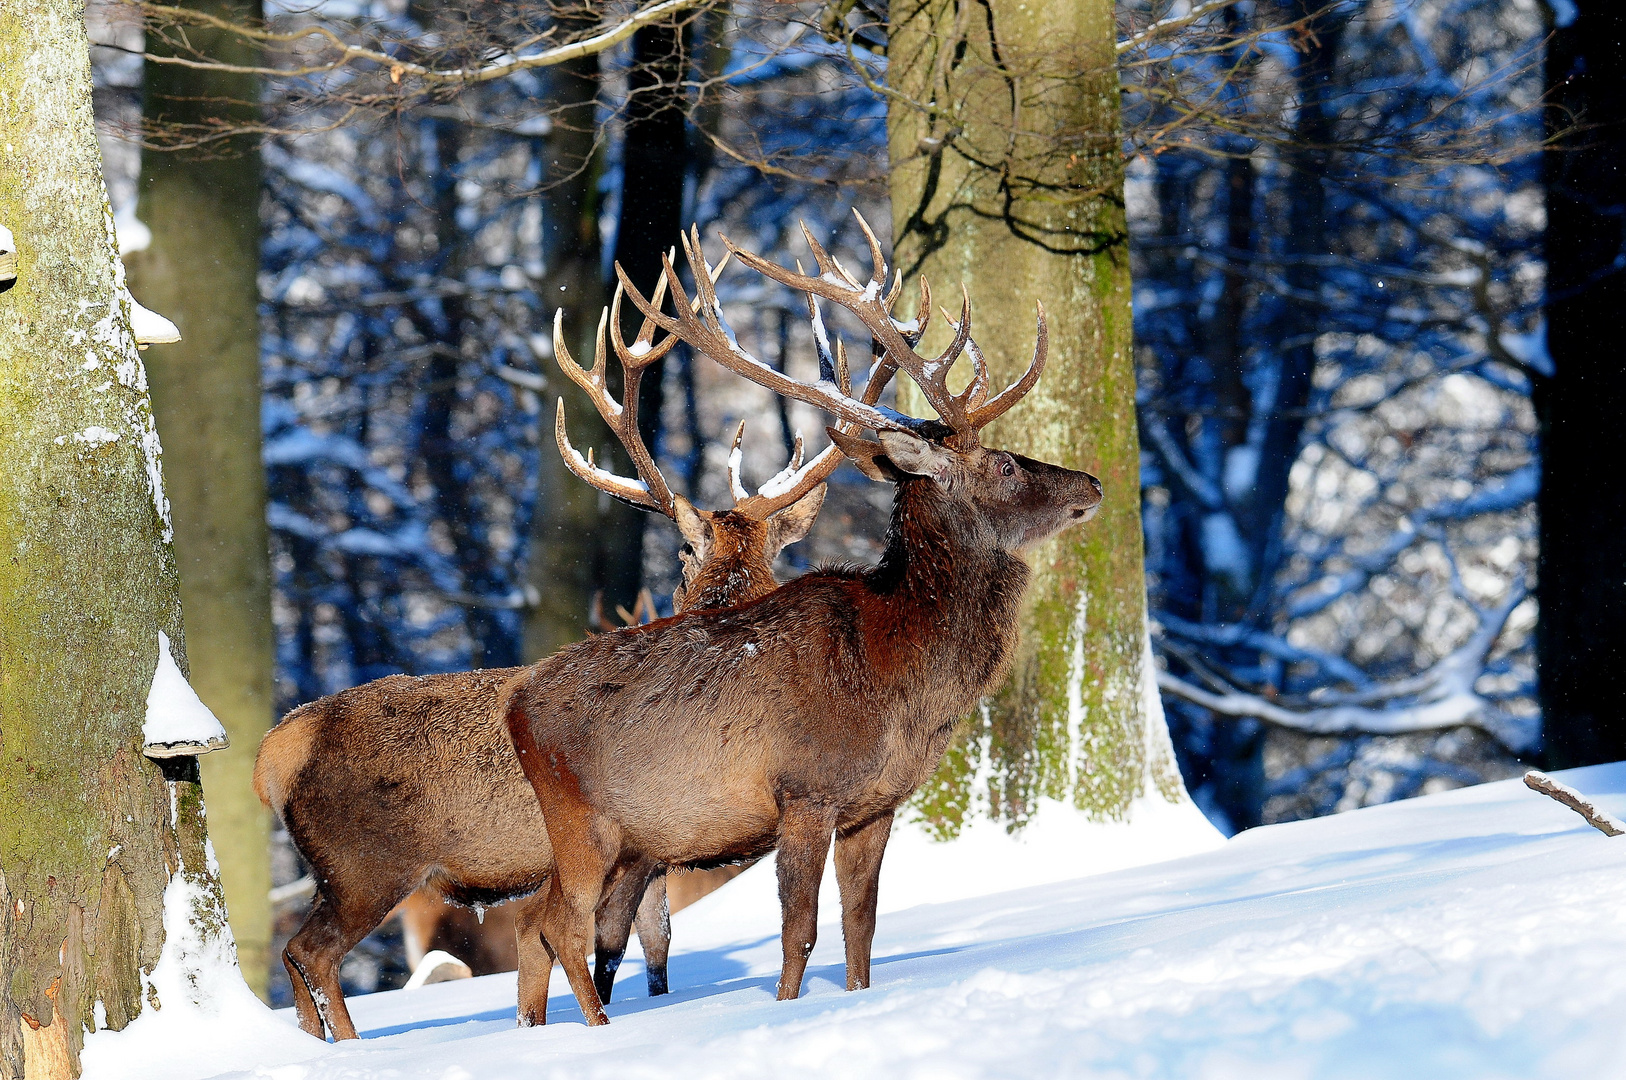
[[1348, 233]]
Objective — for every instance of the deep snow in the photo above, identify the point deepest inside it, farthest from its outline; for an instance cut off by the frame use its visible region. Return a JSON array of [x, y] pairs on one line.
[[1478, 933]]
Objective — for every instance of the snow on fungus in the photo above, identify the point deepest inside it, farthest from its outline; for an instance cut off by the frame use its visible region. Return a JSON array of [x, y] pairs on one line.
[[8, 259], [151, 328], [178, 723]]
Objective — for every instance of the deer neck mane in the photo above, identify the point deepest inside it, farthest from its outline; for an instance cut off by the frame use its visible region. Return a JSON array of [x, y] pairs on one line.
[[938, 555]]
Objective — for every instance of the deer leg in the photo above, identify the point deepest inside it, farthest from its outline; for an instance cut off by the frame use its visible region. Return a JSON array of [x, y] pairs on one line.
[[313, 955], [858, 872], [614, 927], [804, 841], [655, 932], [535, 959], [584, 853]]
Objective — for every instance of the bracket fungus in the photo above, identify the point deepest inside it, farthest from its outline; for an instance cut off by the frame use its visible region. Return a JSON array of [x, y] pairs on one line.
[[151, 328], [8, 259], [178, 723]]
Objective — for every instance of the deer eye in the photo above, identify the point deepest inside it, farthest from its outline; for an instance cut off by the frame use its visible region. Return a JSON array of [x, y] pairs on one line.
[[687, 548], [1007, 467]]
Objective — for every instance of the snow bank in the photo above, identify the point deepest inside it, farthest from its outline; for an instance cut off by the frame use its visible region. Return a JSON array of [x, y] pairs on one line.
[[208, 1021], [1475, 934]]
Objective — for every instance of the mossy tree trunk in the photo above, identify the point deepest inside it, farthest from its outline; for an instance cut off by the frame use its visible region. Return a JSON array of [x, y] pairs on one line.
[[91, 832], [200, 271], [1007, 175]]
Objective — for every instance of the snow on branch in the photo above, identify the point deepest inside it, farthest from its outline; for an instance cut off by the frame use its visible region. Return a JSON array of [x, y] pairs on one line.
[[1168, 25], [604, 38], [1598, 819], [1439, 698]]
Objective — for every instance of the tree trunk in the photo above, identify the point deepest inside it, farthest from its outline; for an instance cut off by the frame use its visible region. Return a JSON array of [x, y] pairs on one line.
[[200, 271], [1010, 180], [90, 832], [1580, 643], [565, 522]]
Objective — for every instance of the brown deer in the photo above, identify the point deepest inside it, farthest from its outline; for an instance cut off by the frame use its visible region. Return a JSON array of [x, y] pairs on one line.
[[716, 736], [410, 783]]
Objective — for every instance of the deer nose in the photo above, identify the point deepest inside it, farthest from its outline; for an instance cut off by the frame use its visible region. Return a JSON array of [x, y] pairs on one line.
[[1089, 500]]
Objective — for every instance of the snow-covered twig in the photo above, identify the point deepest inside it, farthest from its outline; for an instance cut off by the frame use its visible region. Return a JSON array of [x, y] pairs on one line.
[[1604, 823], [302, 889]]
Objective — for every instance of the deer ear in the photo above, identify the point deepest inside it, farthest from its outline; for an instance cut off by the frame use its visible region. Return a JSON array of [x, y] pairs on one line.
[[793, 522], [690, 523], [915, 455], [861, 452]]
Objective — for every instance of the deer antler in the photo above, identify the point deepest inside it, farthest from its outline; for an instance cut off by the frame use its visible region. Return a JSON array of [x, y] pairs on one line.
[[701, 324], [650, 489], [966, 412]]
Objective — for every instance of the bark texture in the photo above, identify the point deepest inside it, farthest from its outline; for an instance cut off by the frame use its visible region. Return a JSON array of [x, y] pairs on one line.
[[89, 830], [200, 271], [1007, 176]]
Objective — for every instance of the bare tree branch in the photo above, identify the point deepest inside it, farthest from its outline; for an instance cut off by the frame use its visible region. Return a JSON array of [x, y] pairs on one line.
[[1604, 823]]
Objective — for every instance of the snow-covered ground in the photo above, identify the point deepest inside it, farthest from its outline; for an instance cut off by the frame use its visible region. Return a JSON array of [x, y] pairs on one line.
[[1479, 933]]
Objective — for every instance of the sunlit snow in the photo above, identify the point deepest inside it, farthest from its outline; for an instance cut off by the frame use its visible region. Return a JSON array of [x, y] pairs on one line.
[[1476, 933]]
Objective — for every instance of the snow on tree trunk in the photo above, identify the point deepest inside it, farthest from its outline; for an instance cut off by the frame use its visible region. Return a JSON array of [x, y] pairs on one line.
[[91, 831], [200, 270], [1007, 176]]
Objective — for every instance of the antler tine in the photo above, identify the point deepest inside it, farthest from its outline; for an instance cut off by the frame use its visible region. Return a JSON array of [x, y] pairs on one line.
[[702, 326], [650, 489], [795, 480], [642, 352], [984, 415], [976, 393], [735, 458], [870, 308], [646, 332]]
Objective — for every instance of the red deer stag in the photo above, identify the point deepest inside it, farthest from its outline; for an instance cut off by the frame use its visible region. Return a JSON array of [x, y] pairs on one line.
[[411, 783], [716, 736]]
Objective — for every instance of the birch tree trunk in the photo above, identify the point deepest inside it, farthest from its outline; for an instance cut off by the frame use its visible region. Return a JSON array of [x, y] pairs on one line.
[[1007, 175], [201, 271], [92, 834]]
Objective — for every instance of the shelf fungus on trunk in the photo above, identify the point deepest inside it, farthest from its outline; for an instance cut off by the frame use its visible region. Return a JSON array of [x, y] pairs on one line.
[[8, 259], [178, 723], [151, 328]]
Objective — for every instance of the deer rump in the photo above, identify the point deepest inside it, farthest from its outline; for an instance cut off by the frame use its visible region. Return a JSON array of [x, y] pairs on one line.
[[690, 734], [432, 783]]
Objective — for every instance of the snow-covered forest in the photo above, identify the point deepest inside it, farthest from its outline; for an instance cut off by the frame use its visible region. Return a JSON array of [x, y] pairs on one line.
[[1337, 296], [1354, 248]]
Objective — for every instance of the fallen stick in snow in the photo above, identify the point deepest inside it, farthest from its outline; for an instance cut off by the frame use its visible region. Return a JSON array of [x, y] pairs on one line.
[[1538, 781]]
